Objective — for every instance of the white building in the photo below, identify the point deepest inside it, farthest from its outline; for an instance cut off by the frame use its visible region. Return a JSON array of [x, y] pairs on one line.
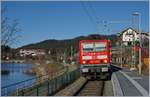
[[32, 52], [129, 35]]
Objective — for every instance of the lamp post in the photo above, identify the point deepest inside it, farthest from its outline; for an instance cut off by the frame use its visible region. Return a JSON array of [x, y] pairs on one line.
[[71, 54], [140, 45], [133, 44]]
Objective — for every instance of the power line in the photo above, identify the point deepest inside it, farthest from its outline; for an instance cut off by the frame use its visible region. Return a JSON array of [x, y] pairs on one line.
[[88, 13], [94, 12], [95, 16]]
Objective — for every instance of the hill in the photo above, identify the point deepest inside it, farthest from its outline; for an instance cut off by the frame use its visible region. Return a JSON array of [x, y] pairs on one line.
[[65, 45]]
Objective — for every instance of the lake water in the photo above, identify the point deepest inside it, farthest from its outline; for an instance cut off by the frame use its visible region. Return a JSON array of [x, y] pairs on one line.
[[16, 75]]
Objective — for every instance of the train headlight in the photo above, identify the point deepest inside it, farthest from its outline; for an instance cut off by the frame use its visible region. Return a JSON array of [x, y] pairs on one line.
[[84, 62], [87, 57], [102, 56], [105, 61]]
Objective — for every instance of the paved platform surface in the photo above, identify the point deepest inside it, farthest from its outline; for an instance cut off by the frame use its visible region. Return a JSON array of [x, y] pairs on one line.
[[108, 91], [129, 83]]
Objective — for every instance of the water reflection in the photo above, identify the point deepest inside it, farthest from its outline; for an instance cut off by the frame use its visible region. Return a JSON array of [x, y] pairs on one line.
[[16, 74]]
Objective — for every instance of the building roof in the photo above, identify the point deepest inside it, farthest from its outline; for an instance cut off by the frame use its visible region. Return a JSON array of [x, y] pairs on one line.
[[120, 33]]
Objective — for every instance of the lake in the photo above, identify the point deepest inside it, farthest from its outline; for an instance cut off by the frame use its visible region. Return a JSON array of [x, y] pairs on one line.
[[16, 75]]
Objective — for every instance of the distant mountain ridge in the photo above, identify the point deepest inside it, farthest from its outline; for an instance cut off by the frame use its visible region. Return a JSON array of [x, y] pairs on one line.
[[64, 45]]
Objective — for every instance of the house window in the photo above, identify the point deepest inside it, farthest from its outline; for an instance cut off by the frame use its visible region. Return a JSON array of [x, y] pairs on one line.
[[129, 39], [129, 43]]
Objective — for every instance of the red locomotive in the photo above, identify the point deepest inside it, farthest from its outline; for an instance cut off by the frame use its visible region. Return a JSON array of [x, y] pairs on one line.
[[95, 58]]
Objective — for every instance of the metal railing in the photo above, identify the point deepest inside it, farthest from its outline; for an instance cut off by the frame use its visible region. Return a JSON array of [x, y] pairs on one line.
[[43, 88]]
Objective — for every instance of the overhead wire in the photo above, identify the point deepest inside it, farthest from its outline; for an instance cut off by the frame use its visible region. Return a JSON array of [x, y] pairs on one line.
[[93, 10], [96, 16], [88, 13], [104, 23]]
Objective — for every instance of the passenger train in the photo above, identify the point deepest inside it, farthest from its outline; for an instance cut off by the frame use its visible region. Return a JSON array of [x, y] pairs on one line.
[[95, 58]]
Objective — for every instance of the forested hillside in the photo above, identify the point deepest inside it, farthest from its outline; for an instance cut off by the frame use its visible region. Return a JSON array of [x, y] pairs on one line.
[[65, 45]]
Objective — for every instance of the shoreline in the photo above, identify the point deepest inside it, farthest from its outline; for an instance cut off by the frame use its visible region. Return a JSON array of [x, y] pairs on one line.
[[29, 71], [18, 61], [13, 61]]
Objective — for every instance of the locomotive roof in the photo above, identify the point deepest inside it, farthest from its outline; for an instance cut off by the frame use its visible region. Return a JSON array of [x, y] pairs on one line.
[[94, 40]]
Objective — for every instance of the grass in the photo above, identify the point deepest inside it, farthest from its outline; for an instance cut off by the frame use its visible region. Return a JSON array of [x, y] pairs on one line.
[[53, 67]]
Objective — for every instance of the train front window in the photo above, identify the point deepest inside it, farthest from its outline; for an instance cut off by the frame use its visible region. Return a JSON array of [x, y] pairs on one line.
[[91, 47], [101, 46], [88, 47]]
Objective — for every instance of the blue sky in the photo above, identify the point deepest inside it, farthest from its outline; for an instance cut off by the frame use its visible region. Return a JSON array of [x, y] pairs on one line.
[[64, 20]]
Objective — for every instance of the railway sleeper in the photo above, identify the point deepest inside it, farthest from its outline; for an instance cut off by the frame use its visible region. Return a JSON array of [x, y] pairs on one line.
[[91, 88]]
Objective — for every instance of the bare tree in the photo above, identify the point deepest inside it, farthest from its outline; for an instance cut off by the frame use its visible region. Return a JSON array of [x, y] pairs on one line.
[[9, 30]]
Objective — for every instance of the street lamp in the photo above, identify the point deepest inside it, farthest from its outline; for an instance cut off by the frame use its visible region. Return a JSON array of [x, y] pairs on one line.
[[139, 25]]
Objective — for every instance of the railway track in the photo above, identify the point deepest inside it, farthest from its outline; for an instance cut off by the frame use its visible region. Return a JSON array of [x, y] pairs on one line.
[[91, 88]]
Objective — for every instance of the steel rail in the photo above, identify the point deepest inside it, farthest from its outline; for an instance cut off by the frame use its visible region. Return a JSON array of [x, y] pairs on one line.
[[91, 88]]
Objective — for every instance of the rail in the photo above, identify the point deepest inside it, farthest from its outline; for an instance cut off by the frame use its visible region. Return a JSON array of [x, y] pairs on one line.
[[91, 88]]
